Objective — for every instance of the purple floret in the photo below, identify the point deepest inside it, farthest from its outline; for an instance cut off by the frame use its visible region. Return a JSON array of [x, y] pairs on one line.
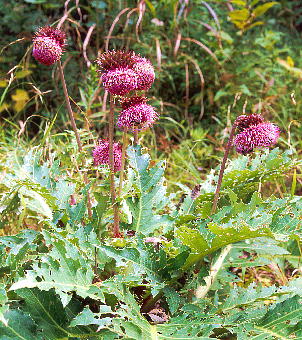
[[262, 135], [120, 81], [48, 45], [146, 75], [136, 115], [101, 154]]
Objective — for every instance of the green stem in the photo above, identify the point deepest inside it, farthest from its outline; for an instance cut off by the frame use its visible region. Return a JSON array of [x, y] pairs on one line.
[[202, 291], [135, 135]]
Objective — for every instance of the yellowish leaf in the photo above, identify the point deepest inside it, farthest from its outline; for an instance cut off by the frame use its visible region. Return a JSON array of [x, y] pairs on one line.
[[239, 24], [259, 10], [23, 73], [294, 70], [3, 82], [290, 61], [20, 98], [257, 23], [239, 15], [254, 3], [239, 2], [4, 107]]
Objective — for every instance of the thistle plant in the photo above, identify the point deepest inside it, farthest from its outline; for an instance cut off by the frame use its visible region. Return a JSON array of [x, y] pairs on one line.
[[253, 133], [64, 279], [121, 73], [48, 44]]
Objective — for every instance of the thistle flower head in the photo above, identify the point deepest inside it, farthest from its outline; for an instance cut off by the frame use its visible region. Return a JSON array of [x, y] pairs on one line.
[[244, 121], [139, 69], [48, 44], [262, 135], [145, 71], [120, 81], [136, 114], [101, 154], [115, 59]]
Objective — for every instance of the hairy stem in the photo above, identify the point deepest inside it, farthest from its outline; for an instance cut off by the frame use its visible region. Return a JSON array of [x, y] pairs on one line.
[[116, 227], [222, 168], [124, 147], [75, 130]]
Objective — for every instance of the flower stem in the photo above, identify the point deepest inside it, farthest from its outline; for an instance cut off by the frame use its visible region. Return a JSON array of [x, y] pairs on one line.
[[135, 135], [222, 168], [75, 130], [124, 147], [116, 227]]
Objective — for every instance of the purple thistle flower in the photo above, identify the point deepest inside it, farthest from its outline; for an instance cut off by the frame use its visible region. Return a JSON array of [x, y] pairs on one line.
[[101, 154], [124, 71], [136, 114], [111, 60], [120, 81], [48, 44], [262, 135], [145, 71], [245, 121]]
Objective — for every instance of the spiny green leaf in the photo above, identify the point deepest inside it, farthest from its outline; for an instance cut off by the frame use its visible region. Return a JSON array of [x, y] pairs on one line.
[[279, 321], [150, 193], [3, 301], [18, 326], [64, 269], [214, 237], [50, 317]]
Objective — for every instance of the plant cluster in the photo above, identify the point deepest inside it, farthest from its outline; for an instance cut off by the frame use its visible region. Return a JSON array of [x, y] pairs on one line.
[[102, 250]]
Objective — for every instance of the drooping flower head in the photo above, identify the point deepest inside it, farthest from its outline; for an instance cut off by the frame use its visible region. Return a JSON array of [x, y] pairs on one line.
[[124, 71], [254, 133], [101, 154], [48, 44], [145, 71], [136, 114]]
